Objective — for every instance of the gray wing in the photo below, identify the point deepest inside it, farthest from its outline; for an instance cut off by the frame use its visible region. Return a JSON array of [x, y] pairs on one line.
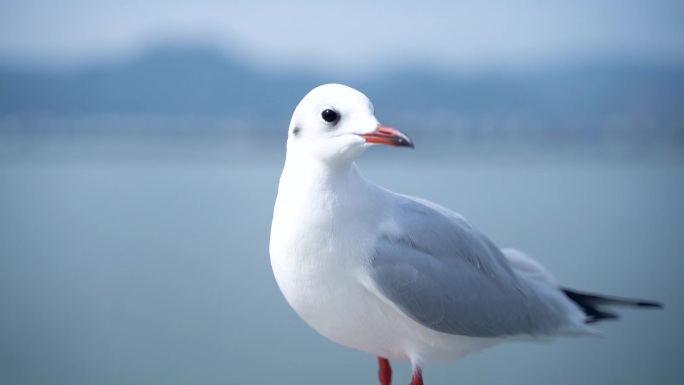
[[444, 274]]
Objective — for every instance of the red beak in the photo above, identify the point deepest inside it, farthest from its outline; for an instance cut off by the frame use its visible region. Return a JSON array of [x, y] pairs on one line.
[[389, 136]]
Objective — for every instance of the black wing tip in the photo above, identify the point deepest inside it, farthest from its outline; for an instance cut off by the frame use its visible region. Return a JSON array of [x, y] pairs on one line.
[[654, 304], [599, 315], [591, 304]]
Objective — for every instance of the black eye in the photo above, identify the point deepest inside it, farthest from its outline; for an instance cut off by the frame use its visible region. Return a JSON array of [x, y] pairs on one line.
[[329, 115]]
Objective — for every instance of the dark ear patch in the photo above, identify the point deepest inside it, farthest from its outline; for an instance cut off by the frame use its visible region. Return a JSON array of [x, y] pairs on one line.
[[295, 131]]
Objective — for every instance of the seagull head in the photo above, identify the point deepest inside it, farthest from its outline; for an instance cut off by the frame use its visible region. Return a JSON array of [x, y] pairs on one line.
[[336, 123]]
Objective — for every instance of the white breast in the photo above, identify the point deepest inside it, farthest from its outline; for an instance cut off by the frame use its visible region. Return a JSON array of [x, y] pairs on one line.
[[322, 274]]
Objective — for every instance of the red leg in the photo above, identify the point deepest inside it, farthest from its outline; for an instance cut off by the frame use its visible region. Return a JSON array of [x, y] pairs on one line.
[[417, 378], [384, 371]]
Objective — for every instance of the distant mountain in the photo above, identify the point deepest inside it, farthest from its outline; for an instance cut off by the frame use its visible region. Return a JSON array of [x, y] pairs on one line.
[[203, 82], [195, 81]]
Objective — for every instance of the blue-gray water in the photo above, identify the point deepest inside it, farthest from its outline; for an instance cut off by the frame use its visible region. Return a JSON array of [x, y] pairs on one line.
[[149, 266]]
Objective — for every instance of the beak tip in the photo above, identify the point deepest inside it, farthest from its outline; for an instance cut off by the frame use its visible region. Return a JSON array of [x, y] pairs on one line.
[[403, 140], [405, 143]]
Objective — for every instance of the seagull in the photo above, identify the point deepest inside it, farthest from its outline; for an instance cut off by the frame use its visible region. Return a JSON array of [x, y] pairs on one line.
[[396, 276]]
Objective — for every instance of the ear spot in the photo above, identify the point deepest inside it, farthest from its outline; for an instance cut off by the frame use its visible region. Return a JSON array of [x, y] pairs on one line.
[[296, 130]]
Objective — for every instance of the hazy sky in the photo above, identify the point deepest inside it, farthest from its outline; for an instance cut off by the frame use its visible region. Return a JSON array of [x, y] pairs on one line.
[[350, 34]]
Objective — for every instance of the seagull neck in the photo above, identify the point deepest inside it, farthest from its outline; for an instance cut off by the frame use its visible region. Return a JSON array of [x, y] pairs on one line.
[[318, 174]]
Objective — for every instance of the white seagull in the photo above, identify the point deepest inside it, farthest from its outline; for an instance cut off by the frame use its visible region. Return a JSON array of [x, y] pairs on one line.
[[396, 276]]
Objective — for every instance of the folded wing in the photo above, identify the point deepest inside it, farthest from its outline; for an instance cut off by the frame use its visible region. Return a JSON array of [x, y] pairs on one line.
[[444, 274]]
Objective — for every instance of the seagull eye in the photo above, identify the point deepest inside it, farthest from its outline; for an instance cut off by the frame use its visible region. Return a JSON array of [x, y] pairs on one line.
[[329, 115]]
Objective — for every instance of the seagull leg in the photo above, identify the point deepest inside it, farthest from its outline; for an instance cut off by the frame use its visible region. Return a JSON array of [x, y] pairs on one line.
[[384, 371], [417, 377]]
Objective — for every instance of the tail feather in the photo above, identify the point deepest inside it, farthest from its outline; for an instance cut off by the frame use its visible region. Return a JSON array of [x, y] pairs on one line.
[[591, 304]]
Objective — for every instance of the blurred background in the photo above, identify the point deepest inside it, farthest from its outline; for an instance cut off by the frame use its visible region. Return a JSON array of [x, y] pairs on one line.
[[141, 145]]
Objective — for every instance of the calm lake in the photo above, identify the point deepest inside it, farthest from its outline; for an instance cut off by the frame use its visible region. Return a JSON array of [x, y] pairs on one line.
[[146, 262]]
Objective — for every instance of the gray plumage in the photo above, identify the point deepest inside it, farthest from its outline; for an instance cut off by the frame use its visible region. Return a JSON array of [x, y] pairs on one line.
[[446, 275]]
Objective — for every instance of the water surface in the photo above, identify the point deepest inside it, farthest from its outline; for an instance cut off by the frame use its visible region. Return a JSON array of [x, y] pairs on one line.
[[122, 268]]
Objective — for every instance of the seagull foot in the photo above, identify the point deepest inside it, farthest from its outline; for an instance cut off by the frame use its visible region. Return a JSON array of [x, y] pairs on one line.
[[417, 377], [384, 371]]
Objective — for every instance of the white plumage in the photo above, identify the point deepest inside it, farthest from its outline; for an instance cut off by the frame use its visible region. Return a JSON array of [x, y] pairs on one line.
[[391, 275]]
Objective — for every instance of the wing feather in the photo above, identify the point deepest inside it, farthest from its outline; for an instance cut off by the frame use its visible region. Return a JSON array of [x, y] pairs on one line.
[[444, 274]]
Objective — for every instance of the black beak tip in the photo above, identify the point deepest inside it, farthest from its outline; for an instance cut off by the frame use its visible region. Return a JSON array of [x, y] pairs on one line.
[[405, 142]]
